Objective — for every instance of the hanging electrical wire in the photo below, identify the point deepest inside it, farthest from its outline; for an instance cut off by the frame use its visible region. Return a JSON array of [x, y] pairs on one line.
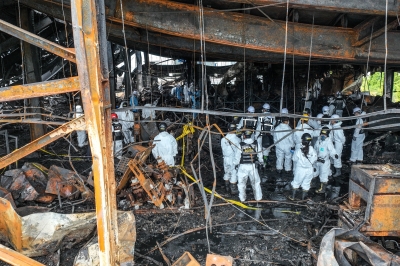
[[386, 53], [284, 56], [309, 58], [127, 54]]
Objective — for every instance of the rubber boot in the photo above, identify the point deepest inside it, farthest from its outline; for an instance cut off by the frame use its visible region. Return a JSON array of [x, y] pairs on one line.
[[234, 189], [304, 194], [322, 189], [338, 172], [293, 197], [334, 193], [227, 186]]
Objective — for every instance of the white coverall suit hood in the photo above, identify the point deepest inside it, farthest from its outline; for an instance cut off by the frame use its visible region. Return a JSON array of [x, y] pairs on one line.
[[324, 150], [283, 147], [231, 151], [166, 148], [303, 171], [338, 139], [248, 169]]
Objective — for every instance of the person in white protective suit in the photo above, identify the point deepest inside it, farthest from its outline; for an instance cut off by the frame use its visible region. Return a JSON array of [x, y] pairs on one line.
[[325, 149], [357, 154], [325, 110], [304, 158], [247, 168], [149, 113], [230, 145], [279, 119], [117, 136], [166, 146], [263, 134], [311, 122], [126, 119], [302, 128], [80, 134], [338, 138], [284, 146], [248, 122]]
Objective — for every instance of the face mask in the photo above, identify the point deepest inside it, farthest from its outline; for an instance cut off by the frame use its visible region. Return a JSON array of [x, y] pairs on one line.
[[305, 143], [323, 137]]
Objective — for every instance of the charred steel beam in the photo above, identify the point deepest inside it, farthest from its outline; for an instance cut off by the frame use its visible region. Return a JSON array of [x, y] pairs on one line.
[[329, 43], [372, 7], [39, 89], [240, 30], [95, 91], [377, 30], [30, 121], [76, 124], [40, 42]]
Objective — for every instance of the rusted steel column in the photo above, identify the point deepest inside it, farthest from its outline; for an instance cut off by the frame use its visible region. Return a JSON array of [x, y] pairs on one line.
[[39, 89], [31, 38], [76, 124], [15, 258], [96, 102]]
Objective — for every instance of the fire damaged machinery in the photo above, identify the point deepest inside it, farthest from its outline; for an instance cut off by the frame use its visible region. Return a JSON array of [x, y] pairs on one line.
[[374, 200], [140, 182]]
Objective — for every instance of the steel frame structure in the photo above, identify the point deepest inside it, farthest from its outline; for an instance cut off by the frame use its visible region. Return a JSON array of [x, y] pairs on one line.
[[93, 82]]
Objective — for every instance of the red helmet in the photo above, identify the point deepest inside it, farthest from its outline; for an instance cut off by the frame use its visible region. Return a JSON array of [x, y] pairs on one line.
[[114, 116]]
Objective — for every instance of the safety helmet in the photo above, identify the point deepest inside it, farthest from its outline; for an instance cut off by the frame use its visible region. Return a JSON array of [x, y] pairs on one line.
[[266, 107], [325, 110], [135, 92], [304, 119], [162, 126], [114, 116], [357, 110], [284, 111], [123, 104], [231, 126], [306, 137], [247, 134], [78, 109], [325, 131], [251, 109]]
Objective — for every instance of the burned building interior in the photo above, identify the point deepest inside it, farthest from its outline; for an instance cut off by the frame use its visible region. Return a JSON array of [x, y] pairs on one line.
[[199, 132]]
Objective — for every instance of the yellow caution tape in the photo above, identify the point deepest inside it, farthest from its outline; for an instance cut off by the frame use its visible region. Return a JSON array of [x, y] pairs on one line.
[[187, 129], [291, 212], [42, 169], [60, 155], [235, 202]]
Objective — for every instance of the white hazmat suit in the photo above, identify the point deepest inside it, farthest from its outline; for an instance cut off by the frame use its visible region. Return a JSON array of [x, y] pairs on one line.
[[303, 172], [248, 169], [324, 149], [338, 139], [166, 148], [80, 134], [231, 151], [126, 119], [357, 143], [283, 147]]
